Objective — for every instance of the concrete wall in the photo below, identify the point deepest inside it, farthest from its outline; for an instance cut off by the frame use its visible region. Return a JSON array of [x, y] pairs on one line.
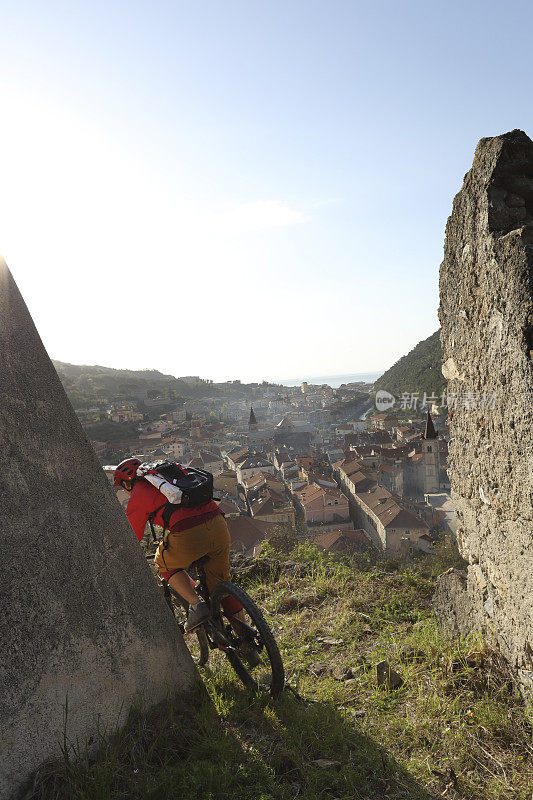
[[82, 617], [486, 313]]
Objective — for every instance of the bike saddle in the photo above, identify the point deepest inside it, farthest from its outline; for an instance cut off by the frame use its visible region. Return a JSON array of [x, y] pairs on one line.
[[199, 562]]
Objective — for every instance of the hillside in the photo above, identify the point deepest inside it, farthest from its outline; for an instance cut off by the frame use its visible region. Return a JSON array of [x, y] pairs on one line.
[[455, 729], [94, 385], [418, 371], [74, 371]]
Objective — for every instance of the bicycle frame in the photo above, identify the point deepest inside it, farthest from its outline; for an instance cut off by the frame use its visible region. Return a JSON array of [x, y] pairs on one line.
[[216, 635], [228, 633]]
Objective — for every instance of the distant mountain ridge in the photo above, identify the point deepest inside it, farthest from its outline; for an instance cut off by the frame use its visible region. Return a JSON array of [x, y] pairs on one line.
[[95, 385], [418, 371], [76, 370], [88, 385]]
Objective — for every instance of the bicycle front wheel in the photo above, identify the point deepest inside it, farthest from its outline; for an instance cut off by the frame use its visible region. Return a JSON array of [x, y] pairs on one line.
[[254, 654]]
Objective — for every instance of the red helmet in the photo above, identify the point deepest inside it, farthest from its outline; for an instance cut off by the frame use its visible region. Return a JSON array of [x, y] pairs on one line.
[[126, 470]]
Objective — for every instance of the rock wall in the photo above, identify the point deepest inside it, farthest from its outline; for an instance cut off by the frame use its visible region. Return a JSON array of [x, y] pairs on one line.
[[82, 619], [486, 313]]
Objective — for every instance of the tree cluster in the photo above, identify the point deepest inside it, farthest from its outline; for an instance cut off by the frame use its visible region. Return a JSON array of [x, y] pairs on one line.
[[418, 371]]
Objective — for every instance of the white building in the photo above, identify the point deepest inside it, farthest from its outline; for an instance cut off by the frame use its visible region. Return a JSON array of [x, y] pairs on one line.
[[251, 466]]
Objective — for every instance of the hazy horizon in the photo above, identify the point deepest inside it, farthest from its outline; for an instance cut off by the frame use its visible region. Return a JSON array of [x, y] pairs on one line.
[[288, 382]]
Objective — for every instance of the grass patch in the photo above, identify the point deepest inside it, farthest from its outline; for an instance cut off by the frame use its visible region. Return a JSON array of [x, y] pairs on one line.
[[455, 729]]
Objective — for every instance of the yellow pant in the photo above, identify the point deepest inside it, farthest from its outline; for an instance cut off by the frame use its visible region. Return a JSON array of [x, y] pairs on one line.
[[210, 538]]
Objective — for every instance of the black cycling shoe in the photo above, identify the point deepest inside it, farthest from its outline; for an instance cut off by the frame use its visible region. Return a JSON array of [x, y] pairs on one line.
[[197, 616]]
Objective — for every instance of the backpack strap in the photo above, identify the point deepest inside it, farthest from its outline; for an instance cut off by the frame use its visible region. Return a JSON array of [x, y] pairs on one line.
[[151, 521], [168, 509]]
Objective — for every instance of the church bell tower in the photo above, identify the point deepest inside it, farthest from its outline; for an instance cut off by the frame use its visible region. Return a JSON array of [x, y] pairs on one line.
[[430, 452], [252, 422]]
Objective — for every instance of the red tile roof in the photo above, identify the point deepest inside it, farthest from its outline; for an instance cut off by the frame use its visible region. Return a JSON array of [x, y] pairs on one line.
[[387, 509], [239, 455], [247, 531], [331, 538], [262, 479], [351, 467], [309, 493], [390, 468], [262, 505], [228, 507]]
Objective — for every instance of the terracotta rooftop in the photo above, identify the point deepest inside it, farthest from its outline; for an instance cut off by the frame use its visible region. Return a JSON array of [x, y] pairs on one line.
[[283, 457], [339, 464], [396, 452], [266, 504], [247, 531], [363, 449], [327, 540], [390, 468], [389, 512], [228, 507], [255, 461], [261, 479], [352, 466], [239, 454], [315, 477], [376, 436], [309, 493]]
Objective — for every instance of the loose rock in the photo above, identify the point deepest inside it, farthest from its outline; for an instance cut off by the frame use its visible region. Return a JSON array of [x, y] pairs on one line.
[[326, 763], [317, 669], [329, 640], [342, 673], [387, 677]]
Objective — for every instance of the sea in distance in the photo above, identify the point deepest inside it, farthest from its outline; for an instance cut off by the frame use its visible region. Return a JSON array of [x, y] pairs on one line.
[[334, 380]]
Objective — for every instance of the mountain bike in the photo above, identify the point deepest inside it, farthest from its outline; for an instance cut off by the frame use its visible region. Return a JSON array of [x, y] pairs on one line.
[[248, 643]]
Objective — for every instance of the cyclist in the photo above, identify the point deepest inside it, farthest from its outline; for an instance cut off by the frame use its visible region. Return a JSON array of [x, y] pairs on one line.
[[193, 533]]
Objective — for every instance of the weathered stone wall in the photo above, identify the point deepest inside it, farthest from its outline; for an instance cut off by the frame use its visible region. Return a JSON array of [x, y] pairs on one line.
[[486, 313], [81, 617]]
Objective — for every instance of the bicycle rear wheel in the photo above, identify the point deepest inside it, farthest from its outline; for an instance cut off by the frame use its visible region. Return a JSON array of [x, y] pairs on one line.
[[252, 641]]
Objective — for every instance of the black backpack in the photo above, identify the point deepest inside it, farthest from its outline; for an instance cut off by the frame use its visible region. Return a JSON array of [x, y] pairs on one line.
[[196, 486]]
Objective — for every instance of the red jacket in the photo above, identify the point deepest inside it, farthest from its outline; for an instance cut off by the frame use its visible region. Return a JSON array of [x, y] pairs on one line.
[[145, 498]]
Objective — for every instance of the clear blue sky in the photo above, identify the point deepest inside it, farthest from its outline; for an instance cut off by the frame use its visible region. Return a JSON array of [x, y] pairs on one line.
[[273, 176]]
